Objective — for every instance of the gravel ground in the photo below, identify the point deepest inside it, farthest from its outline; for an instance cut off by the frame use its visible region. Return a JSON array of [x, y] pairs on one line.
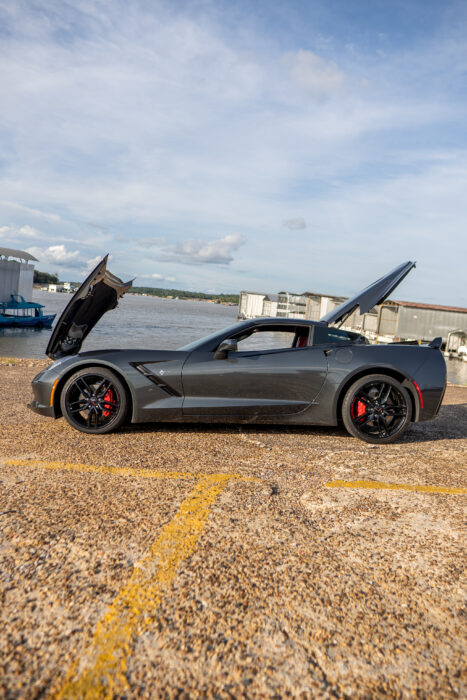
[[293, 589]]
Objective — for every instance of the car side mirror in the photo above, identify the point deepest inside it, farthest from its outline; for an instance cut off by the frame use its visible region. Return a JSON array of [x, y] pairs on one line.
[[224, 348]]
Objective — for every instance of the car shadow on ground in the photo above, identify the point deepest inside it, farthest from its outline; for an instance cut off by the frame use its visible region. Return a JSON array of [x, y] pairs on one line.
[[451, 424]]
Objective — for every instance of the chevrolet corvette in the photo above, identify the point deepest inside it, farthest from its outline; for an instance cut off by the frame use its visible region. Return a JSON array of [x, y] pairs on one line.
[[263, 371]]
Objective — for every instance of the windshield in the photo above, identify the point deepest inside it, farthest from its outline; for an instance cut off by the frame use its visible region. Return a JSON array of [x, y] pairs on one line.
[[223, 332]]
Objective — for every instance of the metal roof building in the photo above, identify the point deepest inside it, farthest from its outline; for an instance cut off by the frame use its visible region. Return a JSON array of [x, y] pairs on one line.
[[410, 320], [16, 273]]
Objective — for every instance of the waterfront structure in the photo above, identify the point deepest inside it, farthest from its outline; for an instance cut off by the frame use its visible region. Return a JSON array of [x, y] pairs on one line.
[[409, 320], [393, 320], [61, 287], [256, 305], [291, 305], [16, 273], [310, 306]]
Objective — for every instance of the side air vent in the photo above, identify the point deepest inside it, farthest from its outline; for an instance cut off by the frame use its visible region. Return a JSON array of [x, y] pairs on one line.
[[155, 379]]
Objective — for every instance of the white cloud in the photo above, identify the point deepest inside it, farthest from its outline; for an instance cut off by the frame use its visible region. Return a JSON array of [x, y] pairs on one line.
[[55, 254], [157, 276], [151, 241], [295, 224], [91, 264], [16, 233], [195, 251], [317, 77], [29, 232], [51, 216]]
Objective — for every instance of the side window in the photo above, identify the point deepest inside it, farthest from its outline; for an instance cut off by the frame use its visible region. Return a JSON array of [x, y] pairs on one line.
[[274, 338], [323, 335], [267, 340]]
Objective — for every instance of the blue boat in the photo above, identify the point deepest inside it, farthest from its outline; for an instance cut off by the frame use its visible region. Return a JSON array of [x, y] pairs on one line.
[[24, 314]]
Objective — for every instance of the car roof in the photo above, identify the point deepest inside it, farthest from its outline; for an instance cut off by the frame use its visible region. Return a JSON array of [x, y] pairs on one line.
[[278, 321]]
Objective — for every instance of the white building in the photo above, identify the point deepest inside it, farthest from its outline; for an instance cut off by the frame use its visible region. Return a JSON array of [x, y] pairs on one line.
[[16, 273], [309, 306], [291, 305]]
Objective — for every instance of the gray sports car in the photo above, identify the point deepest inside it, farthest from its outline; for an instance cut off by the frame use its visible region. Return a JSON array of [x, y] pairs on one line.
[[267, 370]]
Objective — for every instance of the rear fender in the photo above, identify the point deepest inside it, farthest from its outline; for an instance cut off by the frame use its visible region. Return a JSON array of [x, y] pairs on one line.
[[399, 376]]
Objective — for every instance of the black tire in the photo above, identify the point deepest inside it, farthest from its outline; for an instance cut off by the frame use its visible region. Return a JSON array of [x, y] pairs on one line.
[[377, 409], [94, 400]]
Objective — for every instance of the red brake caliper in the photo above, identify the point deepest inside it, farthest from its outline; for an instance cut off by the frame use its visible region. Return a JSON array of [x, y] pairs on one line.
[[361, 409], [108, 396]]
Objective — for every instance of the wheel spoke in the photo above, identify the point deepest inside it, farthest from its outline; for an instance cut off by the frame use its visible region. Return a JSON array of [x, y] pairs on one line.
[[382, 427], [367, 418], [85, 390], [396, 411], [92, 411], [103, 388], [112, 404], [386, 396], [81, 401], [77, 410], [364, 398]]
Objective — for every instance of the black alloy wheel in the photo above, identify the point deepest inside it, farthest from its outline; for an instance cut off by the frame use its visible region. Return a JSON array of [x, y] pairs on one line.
[[94, 400], [377, 409]]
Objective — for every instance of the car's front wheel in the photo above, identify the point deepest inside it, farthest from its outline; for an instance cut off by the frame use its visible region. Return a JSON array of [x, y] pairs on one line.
[[94, 400], [377, 409]]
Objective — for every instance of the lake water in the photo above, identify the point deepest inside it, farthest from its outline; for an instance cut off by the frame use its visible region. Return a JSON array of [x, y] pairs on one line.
[[144, 322]]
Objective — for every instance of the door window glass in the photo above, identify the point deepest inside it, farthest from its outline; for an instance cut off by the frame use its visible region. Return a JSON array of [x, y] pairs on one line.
[[273, 340]]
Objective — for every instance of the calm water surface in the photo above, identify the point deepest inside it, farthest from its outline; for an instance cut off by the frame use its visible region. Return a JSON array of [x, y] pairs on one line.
[[144, 322]]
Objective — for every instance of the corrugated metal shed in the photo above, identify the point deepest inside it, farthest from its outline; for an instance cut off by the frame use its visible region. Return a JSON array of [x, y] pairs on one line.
[[416, 321]]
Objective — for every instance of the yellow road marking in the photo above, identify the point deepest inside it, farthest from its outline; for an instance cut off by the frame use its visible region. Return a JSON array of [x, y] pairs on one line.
[[403, 487], [116, 471], [102, 672]]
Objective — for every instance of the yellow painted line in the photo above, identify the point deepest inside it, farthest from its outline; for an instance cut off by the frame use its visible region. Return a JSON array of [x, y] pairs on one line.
[[101, 673], [116, 471], [402, 487]]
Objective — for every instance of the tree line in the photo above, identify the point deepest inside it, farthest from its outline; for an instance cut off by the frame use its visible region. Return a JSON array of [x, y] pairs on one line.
[[183, 294], [44, 278], [47, 278]]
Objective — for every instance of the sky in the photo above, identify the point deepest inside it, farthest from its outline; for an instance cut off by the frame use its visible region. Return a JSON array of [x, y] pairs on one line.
[[227, 145]]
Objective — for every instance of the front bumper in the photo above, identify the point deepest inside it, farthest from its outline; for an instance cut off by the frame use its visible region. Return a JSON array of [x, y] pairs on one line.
[[41, 408], [43, 390]]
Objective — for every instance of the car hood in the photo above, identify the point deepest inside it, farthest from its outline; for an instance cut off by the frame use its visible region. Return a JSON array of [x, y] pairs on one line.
[[375, 294], [99, 293]]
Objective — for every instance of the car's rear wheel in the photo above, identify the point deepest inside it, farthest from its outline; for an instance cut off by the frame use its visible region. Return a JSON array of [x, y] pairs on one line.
[[377, 409], [94, 400]]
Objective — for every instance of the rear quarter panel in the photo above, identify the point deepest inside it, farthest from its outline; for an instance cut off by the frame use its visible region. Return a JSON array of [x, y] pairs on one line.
[[405, 362]]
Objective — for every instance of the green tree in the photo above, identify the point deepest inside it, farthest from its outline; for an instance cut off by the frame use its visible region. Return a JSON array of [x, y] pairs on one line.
[[44, 278]]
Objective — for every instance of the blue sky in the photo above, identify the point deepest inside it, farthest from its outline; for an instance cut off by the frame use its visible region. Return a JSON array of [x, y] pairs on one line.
[[227, 145]]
